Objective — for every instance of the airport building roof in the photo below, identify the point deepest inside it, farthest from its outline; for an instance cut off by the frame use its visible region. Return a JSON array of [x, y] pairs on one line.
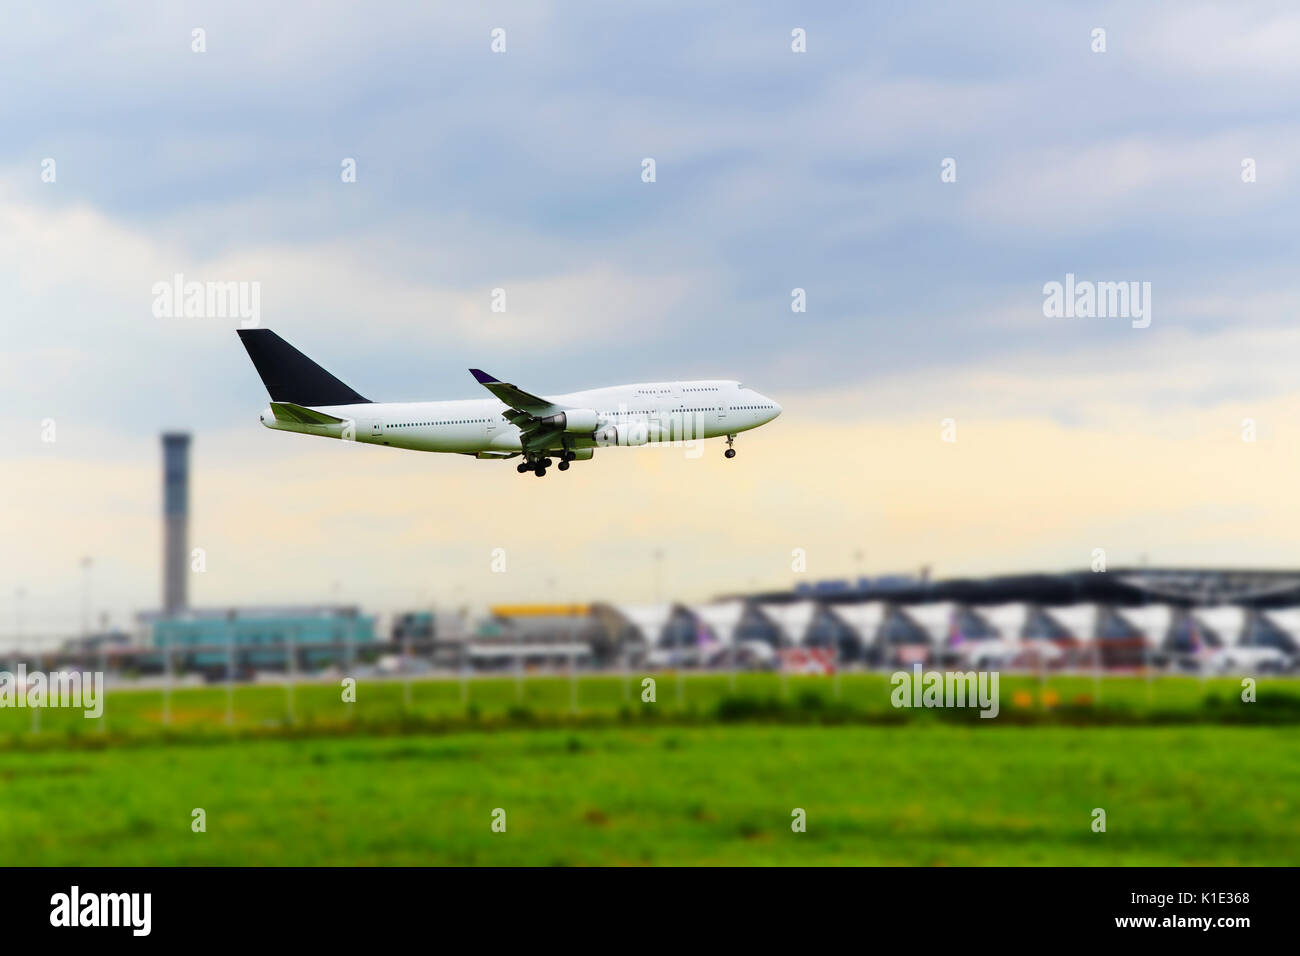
[[1184, 587]]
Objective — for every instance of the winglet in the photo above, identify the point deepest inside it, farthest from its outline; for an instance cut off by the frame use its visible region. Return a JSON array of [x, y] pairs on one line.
[[482, 377]]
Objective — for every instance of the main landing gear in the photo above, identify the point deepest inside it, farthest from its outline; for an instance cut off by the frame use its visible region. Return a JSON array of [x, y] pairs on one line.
[[538, 466], [730, 452]]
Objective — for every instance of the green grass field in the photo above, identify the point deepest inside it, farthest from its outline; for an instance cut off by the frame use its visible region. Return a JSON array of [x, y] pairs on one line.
[[930, 795], [207, 710], [624, 790]]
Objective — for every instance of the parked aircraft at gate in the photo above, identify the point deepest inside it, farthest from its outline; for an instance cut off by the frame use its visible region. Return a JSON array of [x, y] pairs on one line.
[[512, 423]]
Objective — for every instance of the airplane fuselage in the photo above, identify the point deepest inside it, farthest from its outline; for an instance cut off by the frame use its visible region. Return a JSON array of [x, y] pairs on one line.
[[638, 414]]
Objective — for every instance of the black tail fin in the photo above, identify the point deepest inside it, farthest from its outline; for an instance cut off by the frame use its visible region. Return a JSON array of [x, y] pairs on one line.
[[290, 376]]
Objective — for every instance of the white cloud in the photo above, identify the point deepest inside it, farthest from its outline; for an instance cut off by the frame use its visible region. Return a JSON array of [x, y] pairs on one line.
[[81, 284], [1234, 40], [1069, 191]]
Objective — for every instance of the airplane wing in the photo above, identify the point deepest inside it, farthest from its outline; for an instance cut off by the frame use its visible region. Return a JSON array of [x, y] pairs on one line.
[[516, 397], [526, 410]]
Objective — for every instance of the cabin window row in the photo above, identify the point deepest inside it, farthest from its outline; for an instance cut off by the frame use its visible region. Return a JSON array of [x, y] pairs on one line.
[[457, 421]]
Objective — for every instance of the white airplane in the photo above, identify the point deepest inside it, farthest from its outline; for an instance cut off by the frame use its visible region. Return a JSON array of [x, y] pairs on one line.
[[305, 398]]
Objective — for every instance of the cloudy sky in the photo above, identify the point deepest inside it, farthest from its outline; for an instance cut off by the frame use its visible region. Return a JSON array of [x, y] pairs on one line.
[[775, 170]]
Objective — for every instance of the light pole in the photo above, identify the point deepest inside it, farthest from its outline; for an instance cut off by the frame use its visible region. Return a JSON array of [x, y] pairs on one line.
[[166, 633], [230, 667], [573, 681], [86, 564], [103, 665], [36, 711], [407, 658], [19, 594], [291, 666], [519, 674]]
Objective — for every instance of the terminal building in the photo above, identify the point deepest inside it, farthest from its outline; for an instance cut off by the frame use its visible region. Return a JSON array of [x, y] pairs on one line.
[[528, 636], [258, 638], [1123, 619]]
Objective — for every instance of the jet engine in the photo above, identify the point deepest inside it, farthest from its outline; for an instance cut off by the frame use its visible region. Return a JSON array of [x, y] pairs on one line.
[[575, 421], [624, 433]]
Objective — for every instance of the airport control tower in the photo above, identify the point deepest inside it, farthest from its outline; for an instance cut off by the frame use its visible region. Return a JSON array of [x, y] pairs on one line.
[[176, 521]]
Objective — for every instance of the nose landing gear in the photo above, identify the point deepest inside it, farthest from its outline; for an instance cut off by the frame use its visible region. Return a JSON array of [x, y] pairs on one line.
[[730, 452]]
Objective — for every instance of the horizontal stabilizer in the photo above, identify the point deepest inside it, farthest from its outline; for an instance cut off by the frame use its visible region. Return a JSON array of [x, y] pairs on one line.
[[289, 412]]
